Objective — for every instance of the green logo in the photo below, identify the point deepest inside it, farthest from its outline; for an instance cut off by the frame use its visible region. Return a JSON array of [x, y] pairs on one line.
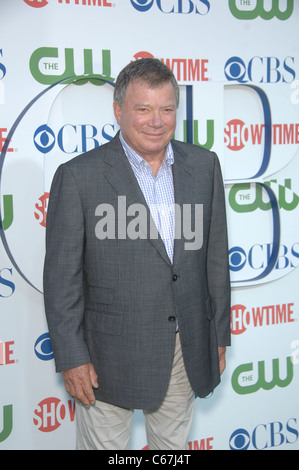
[[45, 68], [7, 423], [210, 134], [248, 197], [243, 380], [8, 212], [240, 10]]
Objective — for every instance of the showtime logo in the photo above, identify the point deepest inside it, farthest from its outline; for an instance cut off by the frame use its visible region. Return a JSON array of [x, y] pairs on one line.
[[187, 70], [237, 134], [43, 3], [51, 412], [36, 3], [202, 444], [6, 352], [95, 3], [243, 318], [41, 209], [3, 131]]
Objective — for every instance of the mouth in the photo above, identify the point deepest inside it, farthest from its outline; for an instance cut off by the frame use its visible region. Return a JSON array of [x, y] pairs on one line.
[[154, 136]]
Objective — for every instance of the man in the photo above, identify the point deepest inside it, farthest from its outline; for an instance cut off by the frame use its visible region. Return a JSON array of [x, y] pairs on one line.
[[136, 281]]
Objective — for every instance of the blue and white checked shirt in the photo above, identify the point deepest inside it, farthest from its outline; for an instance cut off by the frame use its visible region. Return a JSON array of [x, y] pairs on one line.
[[158, 191]]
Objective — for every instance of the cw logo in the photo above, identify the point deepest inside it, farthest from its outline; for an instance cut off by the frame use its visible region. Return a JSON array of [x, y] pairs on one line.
[[248, 197], [40, 68], [243, 374], [259, 10], [7, 423], [7, 211]]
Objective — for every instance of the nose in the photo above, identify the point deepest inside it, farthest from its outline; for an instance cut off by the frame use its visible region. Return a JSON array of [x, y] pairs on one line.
[[156, 120]]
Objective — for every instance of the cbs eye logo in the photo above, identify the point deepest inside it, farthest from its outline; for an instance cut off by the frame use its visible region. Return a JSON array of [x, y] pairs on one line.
[[43, 348], [235, 69], [44, 139], [142, 5], [237, 258], [240, 440]]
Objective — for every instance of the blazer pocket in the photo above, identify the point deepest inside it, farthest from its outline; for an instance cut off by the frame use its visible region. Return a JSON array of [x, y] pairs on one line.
[[210, 308], [102, 322], [102, 295]]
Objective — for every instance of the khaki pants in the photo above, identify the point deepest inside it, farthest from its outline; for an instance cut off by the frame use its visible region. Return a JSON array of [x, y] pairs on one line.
[[108, 427]]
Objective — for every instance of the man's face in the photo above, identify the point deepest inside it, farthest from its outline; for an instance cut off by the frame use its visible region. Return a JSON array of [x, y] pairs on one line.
[[147, 118]]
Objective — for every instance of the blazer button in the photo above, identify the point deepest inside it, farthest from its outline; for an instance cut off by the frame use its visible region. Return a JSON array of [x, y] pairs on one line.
[[171, 319], [174, 277]]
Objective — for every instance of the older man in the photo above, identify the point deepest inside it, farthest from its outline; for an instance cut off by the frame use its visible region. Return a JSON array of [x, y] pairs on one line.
[[138, 309]]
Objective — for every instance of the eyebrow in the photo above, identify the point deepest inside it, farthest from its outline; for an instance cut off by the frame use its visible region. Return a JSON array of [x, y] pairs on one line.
[[148, 105]]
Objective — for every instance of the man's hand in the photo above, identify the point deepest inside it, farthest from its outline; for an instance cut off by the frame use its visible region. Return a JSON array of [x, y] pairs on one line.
[[222, 362], [79, 383]]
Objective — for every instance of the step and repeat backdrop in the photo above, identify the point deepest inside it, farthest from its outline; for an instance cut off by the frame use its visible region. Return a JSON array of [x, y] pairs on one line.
[[237, 64]]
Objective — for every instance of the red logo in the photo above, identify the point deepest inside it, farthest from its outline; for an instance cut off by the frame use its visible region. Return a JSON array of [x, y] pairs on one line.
[[188, 70], [41, 209], [243, 318], [143, 55], [6, 351], [238, 134], [51, 412], [202, 444], [3, 131], [36, 3]]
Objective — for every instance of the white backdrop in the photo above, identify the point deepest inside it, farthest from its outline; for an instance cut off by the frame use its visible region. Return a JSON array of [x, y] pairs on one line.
[[237, 64]]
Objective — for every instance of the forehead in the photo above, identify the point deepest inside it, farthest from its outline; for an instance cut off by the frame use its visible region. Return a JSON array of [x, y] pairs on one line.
[[140, 89]]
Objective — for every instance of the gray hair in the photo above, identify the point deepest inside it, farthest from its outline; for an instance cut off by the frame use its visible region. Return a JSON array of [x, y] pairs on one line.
[[149, 70]]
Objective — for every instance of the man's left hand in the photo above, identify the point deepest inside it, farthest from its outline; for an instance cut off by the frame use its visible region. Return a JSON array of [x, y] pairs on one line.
[[222, 361]]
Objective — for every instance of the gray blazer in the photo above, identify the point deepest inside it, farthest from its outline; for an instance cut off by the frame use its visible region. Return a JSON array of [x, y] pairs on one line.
[[114, 302]]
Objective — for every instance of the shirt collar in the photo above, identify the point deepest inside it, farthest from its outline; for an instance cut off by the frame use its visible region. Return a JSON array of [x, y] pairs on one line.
[[136, 161]]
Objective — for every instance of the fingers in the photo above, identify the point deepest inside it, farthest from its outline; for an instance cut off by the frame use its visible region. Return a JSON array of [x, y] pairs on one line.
[[222, 366], [222, 360], [93, 376], [79, 383]]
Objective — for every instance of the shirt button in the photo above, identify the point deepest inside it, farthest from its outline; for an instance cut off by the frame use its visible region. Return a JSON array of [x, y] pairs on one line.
[[174, 277], [171, 319]]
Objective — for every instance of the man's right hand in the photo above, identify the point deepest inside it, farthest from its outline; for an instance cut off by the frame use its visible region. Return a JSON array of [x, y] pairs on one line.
[[79, 383]]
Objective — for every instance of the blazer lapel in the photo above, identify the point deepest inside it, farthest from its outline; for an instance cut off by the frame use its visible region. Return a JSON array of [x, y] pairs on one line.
[[121, 177], [184, 194]]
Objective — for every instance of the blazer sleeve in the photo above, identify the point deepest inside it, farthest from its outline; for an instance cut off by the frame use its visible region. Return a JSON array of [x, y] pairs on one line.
[[217, 260], [63, 272]]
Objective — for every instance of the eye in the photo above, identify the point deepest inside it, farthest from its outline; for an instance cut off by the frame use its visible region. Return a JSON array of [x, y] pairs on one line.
[[239, 440], [237, 258], [235, 69], [43, 348], [44, 139], [142, 5]]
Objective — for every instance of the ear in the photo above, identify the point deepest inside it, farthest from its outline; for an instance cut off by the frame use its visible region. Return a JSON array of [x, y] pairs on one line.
[[117, 111]]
